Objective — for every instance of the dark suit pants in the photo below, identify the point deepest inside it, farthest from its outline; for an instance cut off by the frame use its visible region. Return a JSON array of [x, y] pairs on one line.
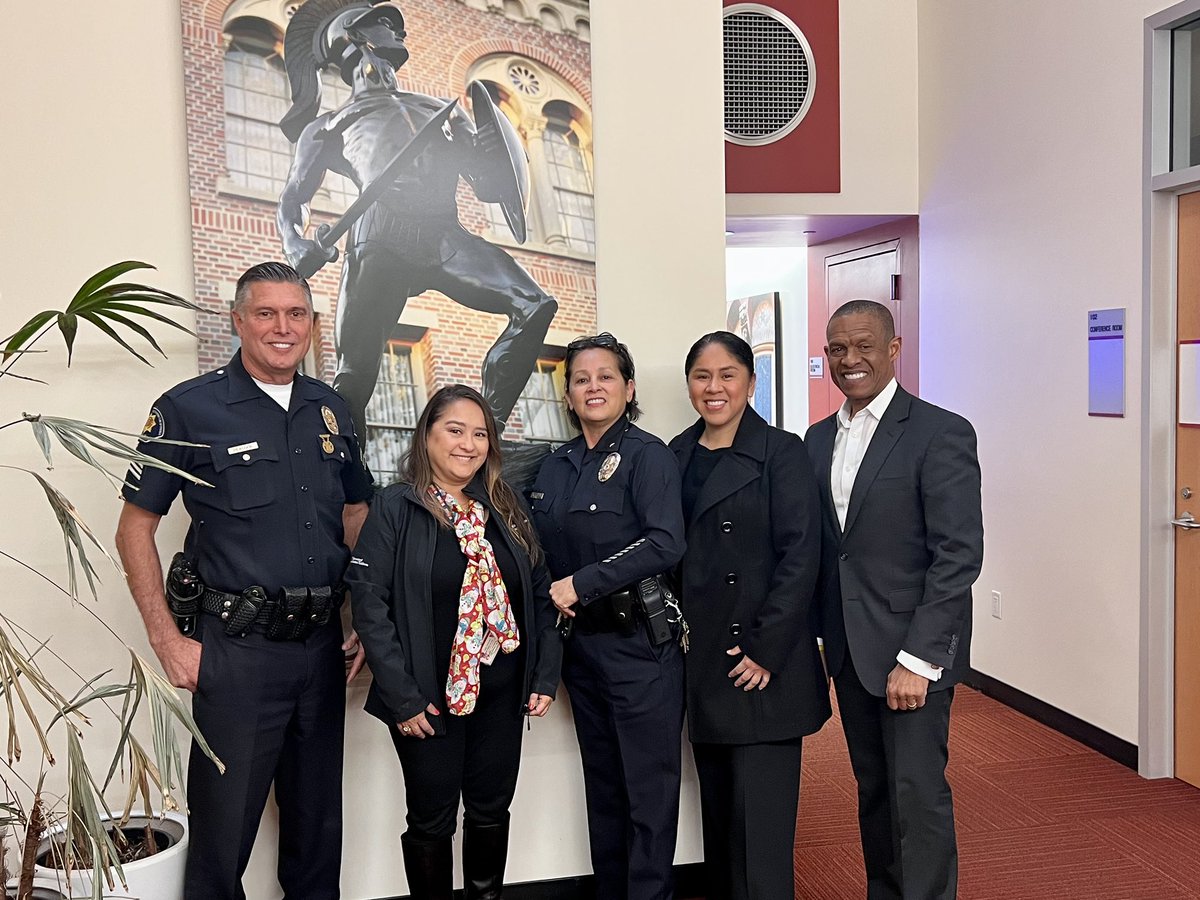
[[273, 711], [627, 701], [476, 759], [748, 799], [905, 812]]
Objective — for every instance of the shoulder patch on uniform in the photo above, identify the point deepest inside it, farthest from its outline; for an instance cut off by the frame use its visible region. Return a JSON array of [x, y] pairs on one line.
[[156, 425]]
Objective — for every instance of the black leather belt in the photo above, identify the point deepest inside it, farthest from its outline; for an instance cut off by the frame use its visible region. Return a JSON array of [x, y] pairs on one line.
[[291, 615]]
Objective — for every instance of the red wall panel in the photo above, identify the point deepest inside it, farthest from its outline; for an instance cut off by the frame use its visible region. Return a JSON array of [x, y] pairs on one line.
[[808, 160]]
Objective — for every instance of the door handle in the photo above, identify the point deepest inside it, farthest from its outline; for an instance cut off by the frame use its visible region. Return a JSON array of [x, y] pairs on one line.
[[1187, 520]]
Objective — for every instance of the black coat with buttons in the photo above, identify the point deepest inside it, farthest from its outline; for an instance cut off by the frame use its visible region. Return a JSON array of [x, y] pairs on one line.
[[748, 578]]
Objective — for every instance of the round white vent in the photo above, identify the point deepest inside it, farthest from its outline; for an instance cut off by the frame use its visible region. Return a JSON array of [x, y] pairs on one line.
[[769, 74]]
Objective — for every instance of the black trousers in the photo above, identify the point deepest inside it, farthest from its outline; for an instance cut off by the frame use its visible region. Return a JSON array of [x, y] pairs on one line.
[[905, 811], [477, 759], [748, 799], [273, 711], [627, 701]]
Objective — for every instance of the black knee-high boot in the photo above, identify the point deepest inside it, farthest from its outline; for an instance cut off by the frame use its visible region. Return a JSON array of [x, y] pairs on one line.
[[429, 866], [485, 850]]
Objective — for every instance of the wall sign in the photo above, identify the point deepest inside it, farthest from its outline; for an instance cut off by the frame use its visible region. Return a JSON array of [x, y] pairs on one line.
[[1106, 363]]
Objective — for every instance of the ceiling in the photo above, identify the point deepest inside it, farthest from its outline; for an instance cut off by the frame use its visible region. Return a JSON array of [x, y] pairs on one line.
[[795, 231]]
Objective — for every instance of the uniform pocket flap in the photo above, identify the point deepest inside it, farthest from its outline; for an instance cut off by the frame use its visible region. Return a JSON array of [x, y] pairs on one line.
[[240, 453]]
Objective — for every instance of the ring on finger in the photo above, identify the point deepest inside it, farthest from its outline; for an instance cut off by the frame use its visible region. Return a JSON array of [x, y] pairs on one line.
[[405, 729]]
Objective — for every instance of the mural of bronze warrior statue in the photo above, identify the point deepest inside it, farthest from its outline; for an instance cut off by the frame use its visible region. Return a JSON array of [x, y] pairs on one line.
[[406, 153]]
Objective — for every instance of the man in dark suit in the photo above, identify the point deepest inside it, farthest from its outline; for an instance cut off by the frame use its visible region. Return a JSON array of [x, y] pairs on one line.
[[899, 483]]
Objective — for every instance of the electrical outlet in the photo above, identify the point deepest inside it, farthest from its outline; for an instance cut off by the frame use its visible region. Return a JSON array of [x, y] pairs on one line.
[[995, 604]]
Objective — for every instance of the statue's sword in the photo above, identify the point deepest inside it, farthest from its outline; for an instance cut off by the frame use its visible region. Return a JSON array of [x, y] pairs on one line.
[[327, 235]]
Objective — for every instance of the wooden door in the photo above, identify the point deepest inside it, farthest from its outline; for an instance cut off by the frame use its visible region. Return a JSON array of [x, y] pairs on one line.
[[1187, 503]]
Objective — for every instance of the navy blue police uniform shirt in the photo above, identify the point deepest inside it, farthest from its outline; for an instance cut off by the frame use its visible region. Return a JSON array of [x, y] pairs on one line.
[[611, 533], [280, 478]]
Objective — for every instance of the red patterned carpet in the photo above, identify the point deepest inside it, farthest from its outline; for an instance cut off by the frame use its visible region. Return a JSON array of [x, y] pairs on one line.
[[1039, 816]]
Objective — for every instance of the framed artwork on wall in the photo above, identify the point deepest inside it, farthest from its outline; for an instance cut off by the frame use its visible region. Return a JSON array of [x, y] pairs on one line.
[[757, 321]]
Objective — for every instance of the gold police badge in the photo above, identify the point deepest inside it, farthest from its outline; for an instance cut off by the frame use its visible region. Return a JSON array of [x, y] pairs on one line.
[[609, 466], [330, 419]]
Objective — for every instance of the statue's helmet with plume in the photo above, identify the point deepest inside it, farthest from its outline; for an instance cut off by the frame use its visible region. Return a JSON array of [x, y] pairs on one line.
[[333, 33]]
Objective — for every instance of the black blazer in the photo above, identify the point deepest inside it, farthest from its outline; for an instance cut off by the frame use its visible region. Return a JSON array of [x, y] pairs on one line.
[[389, 581], [899, 576], [753, 553]]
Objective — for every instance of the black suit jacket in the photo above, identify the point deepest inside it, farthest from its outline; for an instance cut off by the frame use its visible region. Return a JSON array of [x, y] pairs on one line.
[[753, 555], [899, 575]]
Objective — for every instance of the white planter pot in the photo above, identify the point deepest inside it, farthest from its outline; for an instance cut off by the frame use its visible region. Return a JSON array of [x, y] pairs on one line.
[[159, 877]]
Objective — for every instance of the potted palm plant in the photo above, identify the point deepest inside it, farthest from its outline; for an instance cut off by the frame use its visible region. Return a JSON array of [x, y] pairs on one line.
[[74, 843]]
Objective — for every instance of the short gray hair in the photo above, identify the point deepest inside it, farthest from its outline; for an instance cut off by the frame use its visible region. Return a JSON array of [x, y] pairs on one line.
[[277, 272]]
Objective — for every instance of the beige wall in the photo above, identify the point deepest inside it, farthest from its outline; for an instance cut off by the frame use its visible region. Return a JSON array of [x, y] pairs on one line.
[[97, 172], [879, 119], [1031, 214]]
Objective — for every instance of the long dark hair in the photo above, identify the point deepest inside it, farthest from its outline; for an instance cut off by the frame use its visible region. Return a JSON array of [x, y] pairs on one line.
[[418, 471], [604, 341], [736, 346]]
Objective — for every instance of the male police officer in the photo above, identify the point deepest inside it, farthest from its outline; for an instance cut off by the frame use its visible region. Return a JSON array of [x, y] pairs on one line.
[[268, 543]]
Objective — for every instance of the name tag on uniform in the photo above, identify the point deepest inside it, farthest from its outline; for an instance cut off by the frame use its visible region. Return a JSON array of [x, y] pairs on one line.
[[242, 448], [491, 647], [537, 495]]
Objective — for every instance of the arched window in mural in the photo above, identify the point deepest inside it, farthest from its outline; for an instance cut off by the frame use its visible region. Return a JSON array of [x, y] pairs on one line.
[[570, 177], [257, 155]]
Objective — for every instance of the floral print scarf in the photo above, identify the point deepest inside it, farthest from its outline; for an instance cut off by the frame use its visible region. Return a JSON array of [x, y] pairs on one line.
[[484, 617]]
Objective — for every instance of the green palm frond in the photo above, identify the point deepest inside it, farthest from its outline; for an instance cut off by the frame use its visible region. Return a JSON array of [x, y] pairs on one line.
[[80, 438], [106, 306]]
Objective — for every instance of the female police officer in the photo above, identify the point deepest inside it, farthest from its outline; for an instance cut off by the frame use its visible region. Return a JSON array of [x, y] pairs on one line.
[[607, 509]]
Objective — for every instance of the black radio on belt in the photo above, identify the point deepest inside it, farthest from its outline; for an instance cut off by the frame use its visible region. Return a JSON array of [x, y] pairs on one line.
[[183, 589]]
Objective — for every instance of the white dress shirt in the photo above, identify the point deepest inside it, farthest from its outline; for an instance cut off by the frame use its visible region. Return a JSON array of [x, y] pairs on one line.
[[849, 447]]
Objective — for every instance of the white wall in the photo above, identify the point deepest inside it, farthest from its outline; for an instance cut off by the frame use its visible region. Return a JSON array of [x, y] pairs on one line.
[[660, 219], [761, 270], [1031, 214], [879, 119], [96, 163]]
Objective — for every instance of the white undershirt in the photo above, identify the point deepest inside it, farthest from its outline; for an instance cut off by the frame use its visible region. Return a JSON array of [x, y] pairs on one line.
[[280, 393], [849, 447]]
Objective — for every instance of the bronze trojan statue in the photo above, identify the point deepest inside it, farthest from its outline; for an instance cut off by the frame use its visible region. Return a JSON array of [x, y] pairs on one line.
[[406, 153]]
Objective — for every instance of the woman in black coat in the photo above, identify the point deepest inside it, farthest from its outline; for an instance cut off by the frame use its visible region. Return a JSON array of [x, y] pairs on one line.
[[755, 682], [452, 603]]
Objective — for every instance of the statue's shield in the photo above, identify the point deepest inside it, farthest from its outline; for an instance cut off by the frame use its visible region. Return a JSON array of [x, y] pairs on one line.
[[504, 178]]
